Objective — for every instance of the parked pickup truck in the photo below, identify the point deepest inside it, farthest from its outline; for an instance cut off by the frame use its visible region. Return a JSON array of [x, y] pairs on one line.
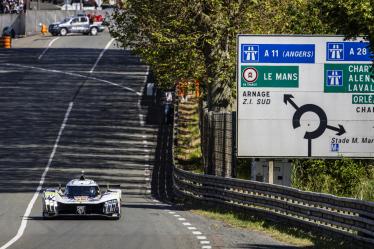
[[76, 24]]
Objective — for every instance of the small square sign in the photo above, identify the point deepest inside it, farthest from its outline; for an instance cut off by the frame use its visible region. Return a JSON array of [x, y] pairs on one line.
[[250, 53], [334, 147], [335, 51], [334, 78]]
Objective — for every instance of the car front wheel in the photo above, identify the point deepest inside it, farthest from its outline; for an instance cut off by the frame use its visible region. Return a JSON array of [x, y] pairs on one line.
[[93, 31], [63, 31]]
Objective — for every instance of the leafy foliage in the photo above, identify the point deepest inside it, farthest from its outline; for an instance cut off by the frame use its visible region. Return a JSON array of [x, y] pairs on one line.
[[349, 17], [184, 39], [343, 177], [189, 40]]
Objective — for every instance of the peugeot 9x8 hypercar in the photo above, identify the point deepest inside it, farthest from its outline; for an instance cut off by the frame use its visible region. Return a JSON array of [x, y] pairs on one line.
[[82, 197]]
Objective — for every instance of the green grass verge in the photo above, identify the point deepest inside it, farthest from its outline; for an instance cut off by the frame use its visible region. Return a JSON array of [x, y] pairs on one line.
[[279, 231]]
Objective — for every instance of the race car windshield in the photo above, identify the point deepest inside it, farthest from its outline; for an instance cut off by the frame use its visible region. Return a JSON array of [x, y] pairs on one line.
[[90, 191]]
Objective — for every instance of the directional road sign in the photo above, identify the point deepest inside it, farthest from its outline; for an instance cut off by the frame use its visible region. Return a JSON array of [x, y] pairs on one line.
[[304, 96]]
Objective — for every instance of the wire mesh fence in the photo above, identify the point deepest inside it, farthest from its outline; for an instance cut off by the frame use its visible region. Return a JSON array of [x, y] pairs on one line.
[[217, 138]]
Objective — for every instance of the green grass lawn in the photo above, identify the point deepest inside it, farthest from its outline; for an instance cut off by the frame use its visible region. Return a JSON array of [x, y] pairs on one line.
[[279, 231]]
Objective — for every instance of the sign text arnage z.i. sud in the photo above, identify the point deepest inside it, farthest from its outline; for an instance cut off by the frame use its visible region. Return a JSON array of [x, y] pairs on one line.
[[277, 53], [256, 97]]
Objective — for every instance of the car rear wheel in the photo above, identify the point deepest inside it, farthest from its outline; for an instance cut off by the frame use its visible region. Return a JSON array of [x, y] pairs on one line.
[[63, 31], [93, 31], [46, 216]]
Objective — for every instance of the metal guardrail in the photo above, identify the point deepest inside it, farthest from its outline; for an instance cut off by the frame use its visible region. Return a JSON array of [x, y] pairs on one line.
[[346, 216], [349, 217]]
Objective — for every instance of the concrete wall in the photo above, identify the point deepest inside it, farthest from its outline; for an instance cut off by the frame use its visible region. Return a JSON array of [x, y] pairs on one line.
[[28, 24], [281, 172], [34, 17], [16, 21]]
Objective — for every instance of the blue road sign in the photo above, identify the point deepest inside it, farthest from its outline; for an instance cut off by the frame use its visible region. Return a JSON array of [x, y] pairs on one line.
[[334, 78], [277, 53], [348, 51], [334, 147]]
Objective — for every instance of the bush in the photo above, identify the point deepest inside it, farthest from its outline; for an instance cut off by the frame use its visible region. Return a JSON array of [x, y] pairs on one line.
[[344, 177]]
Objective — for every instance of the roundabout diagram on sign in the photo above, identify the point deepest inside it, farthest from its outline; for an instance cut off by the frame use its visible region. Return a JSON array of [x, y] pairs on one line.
[[323, 123]]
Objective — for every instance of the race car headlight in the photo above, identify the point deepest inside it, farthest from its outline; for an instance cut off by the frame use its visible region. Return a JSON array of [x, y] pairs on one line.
[[111, 202], [110, 206], [51, 205]]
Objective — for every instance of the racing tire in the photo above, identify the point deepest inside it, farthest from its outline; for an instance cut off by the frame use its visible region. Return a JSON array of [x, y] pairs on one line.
[[46, 216], [116, 217], [63, 31], [94, 31]]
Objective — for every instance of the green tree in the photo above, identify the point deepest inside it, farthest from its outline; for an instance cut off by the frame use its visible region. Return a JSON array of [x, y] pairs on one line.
[[349, 17], [184, 39]]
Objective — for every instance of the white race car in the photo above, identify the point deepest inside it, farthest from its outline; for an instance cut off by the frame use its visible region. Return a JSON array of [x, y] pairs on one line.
[[82, 197]]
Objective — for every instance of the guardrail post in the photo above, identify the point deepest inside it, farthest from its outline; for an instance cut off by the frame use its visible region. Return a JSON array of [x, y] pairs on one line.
[[233, 146], [271, 171]]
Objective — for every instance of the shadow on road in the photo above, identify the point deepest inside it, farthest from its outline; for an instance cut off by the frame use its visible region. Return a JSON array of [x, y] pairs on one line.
[[162, 184], [103, 135], [146, 206], [70, 217]]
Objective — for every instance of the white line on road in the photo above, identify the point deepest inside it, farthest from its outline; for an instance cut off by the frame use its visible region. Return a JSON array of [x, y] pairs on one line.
[[23, 225], [9, 71], [46, 49], [76, 75], [101, 54], [139, 74], [203, 239]]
